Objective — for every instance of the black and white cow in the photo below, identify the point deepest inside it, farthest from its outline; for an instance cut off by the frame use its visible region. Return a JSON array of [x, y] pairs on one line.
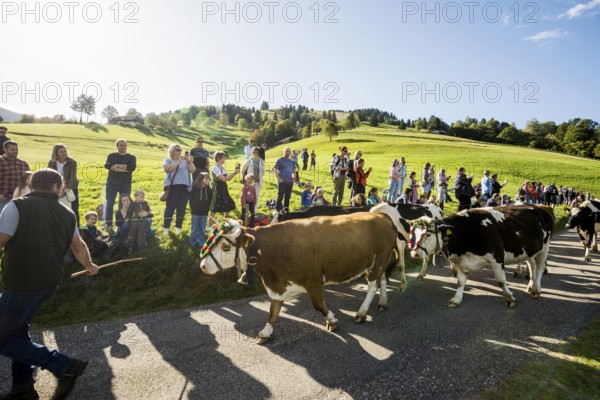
[[316, 211], [492, 238], [586, 218], [401, 213]]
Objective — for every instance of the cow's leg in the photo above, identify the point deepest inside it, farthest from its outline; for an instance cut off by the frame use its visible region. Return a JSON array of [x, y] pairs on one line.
[[361, 315], [316, 296], [535, 284], [461, 280], [509, 299], [588, 254], [595, 247], [424, 268], [265, 334], [401, 265], [383, 297]]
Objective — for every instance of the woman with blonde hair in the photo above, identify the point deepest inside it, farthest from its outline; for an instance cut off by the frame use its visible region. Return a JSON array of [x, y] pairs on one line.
[[67, 167], [178, 169]]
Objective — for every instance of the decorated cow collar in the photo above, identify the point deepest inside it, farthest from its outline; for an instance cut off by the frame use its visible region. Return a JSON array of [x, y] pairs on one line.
[[217, 234]]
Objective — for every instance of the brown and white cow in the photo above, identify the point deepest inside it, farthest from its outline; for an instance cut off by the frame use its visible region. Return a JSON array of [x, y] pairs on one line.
[[302, 256], [492, 238]]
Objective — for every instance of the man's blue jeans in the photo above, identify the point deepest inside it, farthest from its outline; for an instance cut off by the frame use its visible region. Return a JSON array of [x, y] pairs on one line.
[[17, 309]]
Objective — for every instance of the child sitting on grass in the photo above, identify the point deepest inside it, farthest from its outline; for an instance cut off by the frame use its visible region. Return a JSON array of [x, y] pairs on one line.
[[93, 237], [319, 199], [373, 198], [139, 214]]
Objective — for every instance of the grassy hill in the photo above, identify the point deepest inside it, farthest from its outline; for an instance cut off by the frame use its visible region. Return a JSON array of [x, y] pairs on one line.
[[9, 116], [169, 276]]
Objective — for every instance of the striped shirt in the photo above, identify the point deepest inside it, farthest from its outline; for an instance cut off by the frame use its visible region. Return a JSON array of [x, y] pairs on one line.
[[10, 175]]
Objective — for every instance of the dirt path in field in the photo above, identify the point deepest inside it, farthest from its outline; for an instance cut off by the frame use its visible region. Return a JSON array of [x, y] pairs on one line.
[[418, 349]]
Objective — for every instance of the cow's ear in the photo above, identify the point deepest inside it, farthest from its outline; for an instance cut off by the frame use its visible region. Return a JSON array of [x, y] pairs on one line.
[[247, 240], [446, 231]]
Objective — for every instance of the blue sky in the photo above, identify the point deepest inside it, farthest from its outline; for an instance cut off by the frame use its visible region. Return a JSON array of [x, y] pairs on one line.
[[513, 61]]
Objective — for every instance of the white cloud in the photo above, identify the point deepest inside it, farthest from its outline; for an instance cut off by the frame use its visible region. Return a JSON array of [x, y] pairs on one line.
[[582, 10], [545, 36]]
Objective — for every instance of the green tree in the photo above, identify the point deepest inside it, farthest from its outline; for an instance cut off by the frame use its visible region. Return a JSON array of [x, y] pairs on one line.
[[224, 118], [109, 113], [132, 112], [84, 105], [275, 118], [242, 124], [374, 120], [264, 105], [352, 121], [334, 117], [402, 125], [330, 130]]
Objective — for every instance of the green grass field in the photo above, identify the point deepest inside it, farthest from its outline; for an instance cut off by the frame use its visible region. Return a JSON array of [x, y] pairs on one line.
[[170, 278]]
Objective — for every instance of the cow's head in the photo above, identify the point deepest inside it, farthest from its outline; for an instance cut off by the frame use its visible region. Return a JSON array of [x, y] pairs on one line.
[[427, 237], [225, 245], [577, 216]]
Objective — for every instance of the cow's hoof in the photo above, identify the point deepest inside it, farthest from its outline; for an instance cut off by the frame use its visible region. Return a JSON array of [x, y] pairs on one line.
[[420, 277], [515, 274], [588, 259], [452, 304], [510, 303], [382, 307], [330, 327], [535, 295], [360, 318], [402, 287], [262, 339]]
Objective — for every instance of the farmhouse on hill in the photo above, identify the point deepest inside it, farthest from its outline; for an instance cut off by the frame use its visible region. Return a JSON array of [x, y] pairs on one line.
[[127, 120]]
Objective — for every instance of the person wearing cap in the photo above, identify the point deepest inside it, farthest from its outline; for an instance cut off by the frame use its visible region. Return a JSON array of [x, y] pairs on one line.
[[200, 156], [3, 138]]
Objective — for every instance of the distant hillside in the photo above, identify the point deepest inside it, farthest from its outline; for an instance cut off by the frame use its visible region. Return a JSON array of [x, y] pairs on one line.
[[9, 116]]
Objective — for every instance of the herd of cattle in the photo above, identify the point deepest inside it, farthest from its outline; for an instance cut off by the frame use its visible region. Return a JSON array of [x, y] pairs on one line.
[[300, 252]]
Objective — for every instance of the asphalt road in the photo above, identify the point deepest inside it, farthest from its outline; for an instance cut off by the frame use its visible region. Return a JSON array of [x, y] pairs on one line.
[[418, 349]]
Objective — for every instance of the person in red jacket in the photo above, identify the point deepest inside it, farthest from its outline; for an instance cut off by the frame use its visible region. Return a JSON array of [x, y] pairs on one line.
[[361, 177]]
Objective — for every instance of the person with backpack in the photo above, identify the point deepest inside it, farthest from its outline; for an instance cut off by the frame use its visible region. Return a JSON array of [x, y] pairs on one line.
[[339, 168]]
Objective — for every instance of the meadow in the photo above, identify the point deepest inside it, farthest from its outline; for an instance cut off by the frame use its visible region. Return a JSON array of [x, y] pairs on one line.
[[169, 277]]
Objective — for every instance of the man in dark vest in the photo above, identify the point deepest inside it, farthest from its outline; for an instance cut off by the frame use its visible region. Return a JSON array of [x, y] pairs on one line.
[[36, 231]]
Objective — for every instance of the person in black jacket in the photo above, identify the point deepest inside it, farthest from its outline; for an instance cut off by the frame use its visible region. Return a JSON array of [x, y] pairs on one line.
[[463, 189], [200, 199]]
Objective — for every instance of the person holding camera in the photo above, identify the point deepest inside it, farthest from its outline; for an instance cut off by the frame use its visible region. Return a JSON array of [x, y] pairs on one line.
[[178, 169], [221, 200]]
